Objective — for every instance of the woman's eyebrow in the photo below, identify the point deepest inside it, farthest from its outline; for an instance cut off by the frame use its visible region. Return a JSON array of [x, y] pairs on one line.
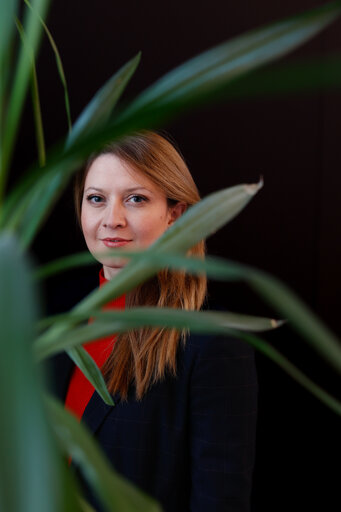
[[140, 187], [129, 190], [93, 188]]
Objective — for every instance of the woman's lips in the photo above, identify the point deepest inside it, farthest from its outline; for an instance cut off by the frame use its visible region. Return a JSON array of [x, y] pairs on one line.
[[115, 242]]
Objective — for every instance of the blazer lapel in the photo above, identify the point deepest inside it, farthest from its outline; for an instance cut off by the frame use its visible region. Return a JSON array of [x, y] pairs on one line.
[[60, 368], [96, 411]]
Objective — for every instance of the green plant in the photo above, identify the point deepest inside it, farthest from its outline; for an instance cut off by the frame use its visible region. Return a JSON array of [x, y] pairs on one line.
[[30, 448]]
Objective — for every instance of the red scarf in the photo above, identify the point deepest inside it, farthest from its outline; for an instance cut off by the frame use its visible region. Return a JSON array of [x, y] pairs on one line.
[[80, 389]]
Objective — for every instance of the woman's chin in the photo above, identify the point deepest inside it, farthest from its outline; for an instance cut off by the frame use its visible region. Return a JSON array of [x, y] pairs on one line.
[[112, 267]]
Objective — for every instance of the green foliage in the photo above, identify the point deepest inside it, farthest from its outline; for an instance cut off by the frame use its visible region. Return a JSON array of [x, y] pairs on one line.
[[279, 296], [28, 455], [29, 449], [100, 108], [200, 79], [59, 63], [106, 324], [35, 99], [17, 89]]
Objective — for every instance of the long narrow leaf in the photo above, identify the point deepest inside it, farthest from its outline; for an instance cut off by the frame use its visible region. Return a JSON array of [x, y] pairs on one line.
[[70, 501], [210, 72], [85, 363], [115, 492], [15, 205], [278, 295], [291, 370], [62, 264], [60, 66], [38, 120], [30, 466], [31, 213], [85, 507], [35, 101], [88, 366], [214, 68], [206, 217], [300, 76], [32, 28], [201, 322], [101, 106], [281, 298], [36, 206], [109, 323], [286, 365], [8, 12], [132, 318]]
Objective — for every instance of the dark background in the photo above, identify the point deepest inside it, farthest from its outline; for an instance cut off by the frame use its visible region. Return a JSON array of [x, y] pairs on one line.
[[292, 227]]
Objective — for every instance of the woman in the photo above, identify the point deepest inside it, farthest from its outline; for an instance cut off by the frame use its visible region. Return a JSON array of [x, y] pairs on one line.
[[183, 427]]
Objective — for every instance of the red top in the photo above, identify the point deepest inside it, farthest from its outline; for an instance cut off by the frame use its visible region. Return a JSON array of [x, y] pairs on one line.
[[80, 389]]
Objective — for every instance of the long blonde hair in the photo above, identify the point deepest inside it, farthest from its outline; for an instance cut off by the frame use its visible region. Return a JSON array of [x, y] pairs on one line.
[[144, 356]]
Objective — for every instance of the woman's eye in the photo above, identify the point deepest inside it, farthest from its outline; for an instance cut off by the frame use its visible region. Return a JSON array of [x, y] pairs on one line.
[[137, 199], [94, 199]]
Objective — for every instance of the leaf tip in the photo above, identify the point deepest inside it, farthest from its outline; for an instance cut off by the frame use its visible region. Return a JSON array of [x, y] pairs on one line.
[[109, 401], [253, 188], [137, 58], [276, 323]]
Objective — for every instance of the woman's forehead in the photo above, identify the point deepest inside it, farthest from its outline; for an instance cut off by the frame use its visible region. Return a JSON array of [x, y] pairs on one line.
[[111, 172]]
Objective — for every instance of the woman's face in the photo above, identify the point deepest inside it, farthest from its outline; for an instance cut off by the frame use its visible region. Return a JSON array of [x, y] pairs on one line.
[[122, 208]]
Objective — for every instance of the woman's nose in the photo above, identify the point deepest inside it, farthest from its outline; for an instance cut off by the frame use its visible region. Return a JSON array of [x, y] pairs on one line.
[[114, 216]]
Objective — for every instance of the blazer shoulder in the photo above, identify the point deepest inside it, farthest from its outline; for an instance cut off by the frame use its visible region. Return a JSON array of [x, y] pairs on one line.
[[201, 345], [219, 344]]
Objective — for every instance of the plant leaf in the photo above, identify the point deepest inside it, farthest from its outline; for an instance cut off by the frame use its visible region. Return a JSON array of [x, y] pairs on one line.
[[278, 295], [208, 72], [291, 370], [59, 66], [212, 322], [30, 466], [85, 507], [32, 29], [112, 322], [206, 217], [301, 76], [62, 264], [35, 101], [115, 492], [31, 213], [270, 352], [98, 111], [200, 78], [36, 206], [284, 301], [38, 119], [88, 366], [8, 11]]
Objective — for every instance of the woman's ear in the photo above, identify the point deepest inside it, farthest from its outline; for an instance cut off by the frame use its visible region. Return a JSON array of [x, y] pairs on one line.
[[176, 211]]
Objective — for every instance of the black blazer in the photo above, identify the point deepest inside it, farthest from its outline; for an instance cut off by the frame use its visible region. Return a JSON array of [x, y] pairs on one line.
[[190, 442]]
